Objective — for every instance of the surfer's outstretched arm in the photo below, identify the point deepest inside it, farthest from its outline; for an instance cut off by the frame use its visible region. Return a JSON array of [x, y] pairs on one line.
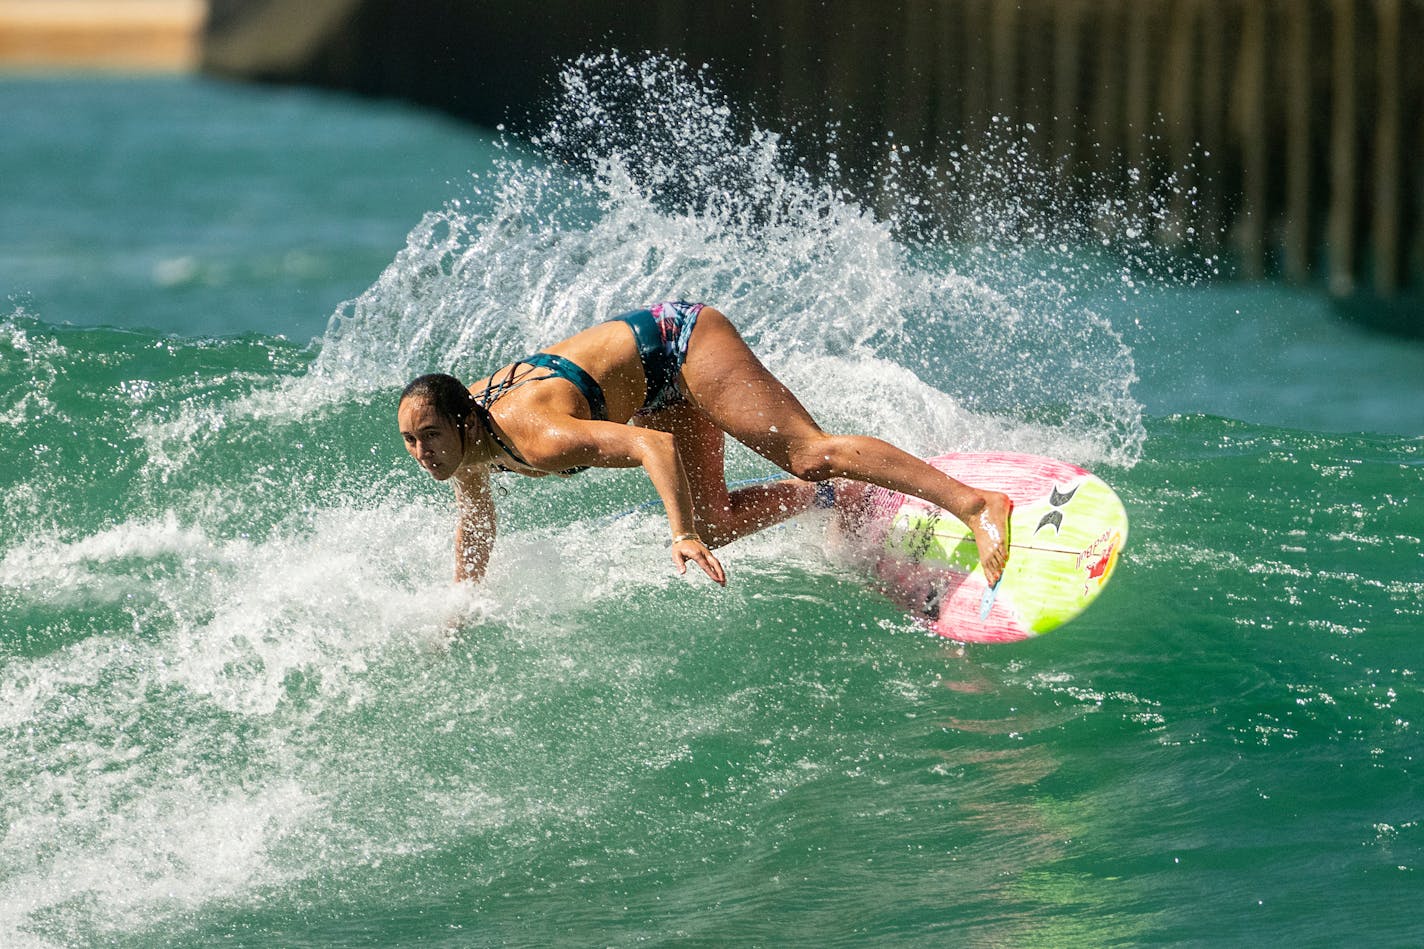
[[725, 513], [475, 524]]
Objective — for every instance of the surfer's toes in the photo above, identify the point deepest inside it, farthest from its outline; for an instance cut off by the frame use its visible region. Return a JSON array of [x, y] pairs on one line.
[[993, 568]]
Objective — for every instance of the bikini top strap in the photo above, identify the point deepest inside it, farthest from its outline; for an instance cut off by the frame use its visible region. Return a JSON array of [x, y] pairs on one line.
[[492, 392], [504, 446]]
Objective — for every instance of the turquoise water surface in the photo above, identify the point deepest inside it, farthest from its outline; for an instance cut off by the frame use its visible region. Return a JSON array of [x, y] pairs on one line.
[[242, 704]]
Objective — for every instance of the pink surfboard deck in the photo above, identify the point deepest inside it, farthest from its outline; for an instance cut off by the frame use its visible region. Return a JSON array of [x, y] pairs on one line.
[[1066, 533]]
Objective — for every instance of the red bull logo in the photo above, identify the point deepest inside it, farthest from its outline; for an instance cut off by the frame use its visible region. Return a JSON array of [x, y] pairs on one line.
[[1097, 560]]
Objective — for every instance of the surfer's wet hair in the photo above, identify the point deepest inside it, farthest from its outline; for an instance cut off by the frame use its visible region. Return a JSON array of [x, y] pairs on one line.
[[448, 396]]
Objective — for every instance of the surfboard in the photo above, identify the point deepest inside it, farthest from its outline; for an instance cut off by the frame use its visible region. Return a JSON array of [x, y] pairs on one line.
[[1066, 534]]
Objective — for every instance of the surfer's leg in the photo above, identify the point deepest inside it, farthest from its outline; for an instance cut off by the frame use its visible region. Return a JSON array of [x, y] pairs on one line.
[[742, 398], [722, 515]]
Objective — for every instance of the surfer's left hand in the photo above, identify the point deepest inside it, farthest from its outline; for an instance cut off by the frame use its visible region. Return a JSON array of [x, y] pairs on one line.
[[691, 549]]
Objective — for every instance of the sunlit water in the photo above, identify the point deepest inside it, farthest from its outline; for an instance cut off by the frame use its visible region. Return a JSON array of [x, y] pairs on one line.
[[243, 704]]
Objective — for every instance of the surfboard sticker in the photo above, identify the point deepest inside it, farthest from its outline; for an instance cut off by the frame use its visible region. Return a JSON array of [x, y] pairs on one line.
[[1066, 534]]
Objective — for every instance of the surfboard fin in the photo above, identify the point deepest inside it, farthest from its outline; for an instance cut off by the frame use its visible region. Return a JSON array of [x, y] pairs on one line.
[[986, 602]]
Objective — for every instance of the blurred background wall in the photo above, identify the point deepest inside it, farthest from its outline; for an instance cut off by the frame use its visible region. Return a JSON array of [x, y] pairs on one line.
[[1299, 123]]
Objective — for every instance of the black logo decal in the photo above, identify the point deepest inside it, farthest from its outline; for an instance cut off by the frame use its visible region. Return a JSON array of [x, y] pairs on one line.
[[920, 544], [933, 598], [1055, 517]]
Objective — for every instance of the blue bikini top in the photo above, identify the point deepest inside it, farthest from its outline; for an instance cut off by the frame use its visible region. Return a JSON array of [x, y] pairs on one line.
[[559, 368]]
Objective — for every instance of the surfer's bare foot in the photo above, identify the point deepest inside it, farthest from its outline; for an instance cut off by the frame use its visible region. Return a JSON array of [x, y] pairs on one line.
[[990, 526]]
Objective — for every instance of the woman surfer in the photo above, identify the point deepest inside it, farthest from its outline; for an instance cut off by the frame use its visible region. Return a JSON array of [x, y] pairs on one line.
[[659, 388]]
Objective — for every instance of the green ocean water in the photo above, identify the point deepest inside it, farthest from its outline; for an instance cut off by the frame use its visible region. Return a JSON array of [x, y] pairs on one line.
[[242, 704]]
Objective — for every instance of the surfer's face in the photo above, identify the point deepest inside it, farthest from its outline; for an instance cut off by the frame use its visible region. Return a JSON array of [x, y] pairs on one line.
[[430, 437]]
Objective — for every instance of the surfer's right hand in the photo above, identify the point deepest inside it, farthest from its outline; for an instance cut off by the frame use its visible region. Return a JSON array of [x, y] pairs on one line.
[[690, 548]]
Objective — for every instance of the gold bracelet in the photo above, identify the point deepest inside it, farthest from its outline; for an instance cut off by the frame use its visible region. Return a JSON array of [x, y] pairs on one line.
[[690, 535]]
